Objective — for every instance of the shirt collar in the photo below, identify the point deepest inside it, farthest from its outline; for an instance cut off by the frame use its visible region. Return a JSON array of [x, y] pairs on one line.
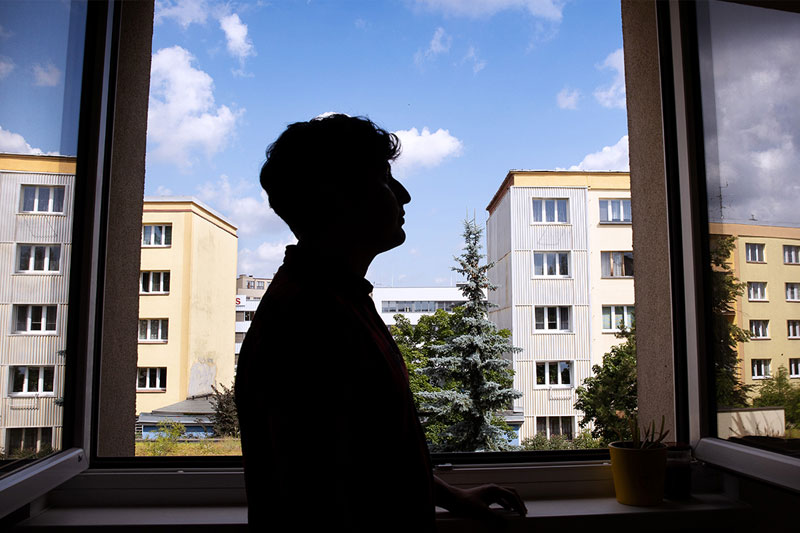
[[308, 264]]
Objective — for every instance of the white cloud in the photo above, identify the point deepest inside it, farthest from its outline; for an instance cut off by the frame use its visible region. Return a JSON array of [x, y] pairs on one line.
[[568, 99], [245, 203], [46, 75], [14, 143], [239, 44], [163, 191], [547, 9], [609, 158], [424, 149], [478, 64], [329, 113], [613, 95], [183, 116], [184, 12], [265, 259], [440, 44], [6, 66]]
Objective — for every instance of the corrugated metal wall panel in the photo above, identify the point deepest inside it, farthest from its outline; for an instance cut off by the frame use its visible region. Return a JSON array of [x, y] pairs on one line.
[[39, 289], [33, 350], [31, 412]]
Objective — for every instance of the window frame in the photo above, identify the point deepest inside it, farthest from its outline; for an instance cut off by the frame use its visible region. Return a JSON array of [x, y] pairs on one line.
[[159, 387], [760, 252], [150, 273], [48, 252], [795, 289], [40, 382], [50, 200], [609, 211], [793, 253], [44, 319], [547, 373], [543, 211], [609, 254], [559, 319], [763, 293], [764, 366], [558, 275], [793, 324], [759, 329], [794, 367], [164, 234], [148, 338], [624, 320]]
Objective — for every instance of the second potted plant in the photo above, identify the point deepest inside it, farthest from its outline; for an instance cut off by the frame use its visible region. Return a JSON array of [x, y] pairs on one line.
[[639, 465]]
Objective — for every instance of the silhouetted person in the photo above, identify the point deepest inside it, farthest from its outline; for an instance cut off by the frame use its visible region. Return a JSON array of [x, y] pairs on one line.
[[330, 435]]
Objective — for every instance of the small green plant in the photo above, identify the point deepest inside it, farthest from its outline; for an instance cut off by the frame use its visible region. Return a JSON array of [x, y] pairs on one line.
[[649, 439], [167, 440]]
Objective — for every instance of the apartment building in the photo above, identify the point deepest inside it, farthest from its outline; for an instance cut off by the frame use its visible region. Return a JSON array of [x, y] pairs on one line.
[[35, 238], [249, 291], [767, 260], [186, 285], [414, 302], [562, 247]]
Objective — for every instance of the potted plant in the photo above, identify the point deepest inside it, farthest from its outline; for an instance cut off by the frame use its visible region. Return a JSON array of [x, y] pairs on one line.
[[638, 465]]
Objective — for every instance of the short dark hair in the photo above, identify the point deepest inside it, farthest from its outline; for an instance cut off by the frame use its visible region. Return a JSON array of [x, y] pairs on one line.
[[326, 156]]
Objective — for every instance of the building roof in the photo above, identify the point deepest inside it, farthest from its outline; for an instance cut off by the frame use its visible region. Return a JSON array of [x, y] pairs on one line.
[[198, 405], [189, 199]]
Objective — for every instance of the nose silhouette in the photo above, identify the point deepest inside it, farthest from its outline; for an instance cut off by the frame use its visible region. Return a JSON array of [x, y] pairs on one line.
[[400, 192]]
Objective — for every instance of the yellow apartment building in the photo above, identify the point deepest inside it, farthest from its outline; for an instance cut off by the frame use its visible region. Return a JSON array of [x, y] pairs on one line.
[[561, 244], [767, 259], [186, 286], [35, 243]]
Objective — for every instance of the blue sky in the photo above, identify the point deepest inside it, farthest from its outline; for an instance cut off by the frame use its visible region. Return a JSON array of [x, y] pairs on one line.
[[473, 88]]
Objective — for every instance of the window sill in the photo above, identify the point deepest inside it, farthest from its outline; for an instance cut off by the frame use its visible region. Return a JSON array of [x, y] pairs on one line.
[[152, 342], [760, 338], [37, 273], [34, 334], [552, 332], [614, 223], [57, 213], [758, 301], [153, 294], [150, 390], [31, 395]]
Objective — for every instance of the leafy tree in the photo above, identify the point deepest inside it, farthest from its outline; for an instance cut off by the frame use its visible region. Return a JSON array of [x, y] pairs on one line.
[[469, 367], [225, 416], [609, 396], [779, 392], [583, 441], [725, 288]]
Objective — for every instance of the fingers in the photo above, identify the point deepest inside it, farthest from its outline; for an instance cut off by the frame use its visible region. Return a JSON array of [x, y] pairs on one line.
[[507, 498]]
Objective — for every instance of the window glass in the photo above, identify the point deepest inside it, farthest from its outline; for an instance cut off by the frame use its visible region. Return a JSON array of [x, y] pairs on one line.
[[751, 107]]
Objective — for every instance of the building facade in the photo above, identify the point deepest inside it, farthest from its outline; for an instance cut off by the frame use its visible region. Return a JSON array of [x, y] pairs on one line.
[[414, 302], [35, 245], [767, 260], [249, 291], [186, 285], [562, 247]]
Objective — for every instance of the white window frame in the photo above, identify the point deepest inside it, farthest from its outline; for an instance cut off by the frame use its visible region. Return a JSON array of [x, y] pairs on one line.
[[757, 291], [150, 322], [45, 310], [760, 368], [793, 329], [791, 254], [547, 384], [163, 243], [794, 367], [150, 275], [48, 253], [624, 210], [558, 273], [614, 321], [560, 418], [609, 257], [50, 201], [755, 252], [559, 320], [26, 383], [759, 329], [542, 210], [157, 386], [792, 292]]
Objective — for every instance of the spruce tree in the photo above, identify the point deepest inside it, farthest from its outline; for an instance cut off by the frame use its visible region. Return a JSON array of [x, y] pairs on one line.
[[471, 363]]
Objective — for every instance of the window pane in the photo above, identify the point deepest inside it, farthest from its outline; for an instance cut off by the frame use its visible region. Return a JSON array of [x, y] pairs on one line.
[[168, 236], [38, 258], [55, 258], [555, 425], [145, 281], [552, 318], [538, 264], [153, 329], [562, 210], [33, 379], [164, 325], [58, 200], [152, 378], [43, 204], [157, 235], [564, 264], [52, 311], [607, 318], [28, 197], [628, 269], [165, 282], [603, 210], [47, 379], [537, 211], [539, 317], [564, 370], [18, 379], [541, 425], [552, 369], [551, 264], [156, 281], [36, 318], [142, 329], [616, 216], [541, 374], [22, 318], [141, 381], [147, 235], [564, 318], [24, 257], [550, 210]]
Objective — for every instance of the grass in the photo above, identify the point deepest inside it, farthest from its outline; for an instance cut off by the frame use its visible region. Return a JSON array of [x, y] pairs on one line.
[[224, 446]]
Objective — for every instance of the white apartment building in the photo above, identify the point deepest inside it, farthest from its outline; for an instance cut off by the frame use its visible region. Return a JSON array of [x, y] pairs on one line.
[[249, 291], [35, 244], [413, 302], [562, 247]]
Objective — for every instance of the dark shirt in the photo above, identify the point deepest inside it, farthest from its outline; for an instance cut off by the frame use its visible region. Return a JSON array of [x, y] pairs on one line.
[[330, 435]]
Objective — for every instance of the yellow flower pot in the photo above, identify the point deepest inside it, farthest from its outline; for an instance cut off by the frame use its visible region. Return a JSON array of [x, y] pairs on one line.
[[638, 473]]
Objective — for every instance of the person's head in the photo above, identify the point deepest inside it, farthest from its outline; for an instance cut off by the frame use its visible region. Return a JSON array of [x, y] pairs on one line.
[[332, 175]]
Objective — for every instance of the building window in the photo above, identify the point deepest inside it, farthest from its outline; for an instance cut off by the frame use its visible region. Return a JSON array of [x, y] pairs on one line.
[[793, 292], [554, 264], [760, 368], [26, 380], [555, 425], [153, 329], [756, 291], [794, 328], [28, 439], [251, 284], [616, 264], [759, 329], [259, 285], [794, 367], [550, 210], [755, 252], [615, 316], [412, 306], [42, 199], [551, 319], [249, 315], [791, 255], [154, 283], [158, 235], [239, 337], [38, 258], [36, 318], [554, 374], [152, 379], [615, 211]]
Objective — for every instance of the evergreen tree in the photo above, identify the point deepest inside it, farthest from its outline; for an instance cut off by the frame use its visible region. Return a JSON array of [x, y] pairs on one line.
[[731, 392], [470, 365], [609, 397], [225, 416]]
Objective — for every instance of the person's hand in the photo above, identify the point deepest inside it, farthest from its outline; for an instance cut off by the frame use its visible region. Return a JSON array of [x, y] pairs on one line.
[[476, 502]]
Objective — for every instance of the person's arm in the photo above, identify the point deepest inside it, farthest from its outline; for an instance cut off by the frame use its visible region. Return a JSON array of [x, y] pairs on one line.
[[474, 502]]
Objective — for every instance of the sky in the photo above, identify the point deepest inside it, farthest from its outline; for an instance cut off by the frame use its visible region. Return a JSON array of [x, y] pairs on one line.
[[473, 89]]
